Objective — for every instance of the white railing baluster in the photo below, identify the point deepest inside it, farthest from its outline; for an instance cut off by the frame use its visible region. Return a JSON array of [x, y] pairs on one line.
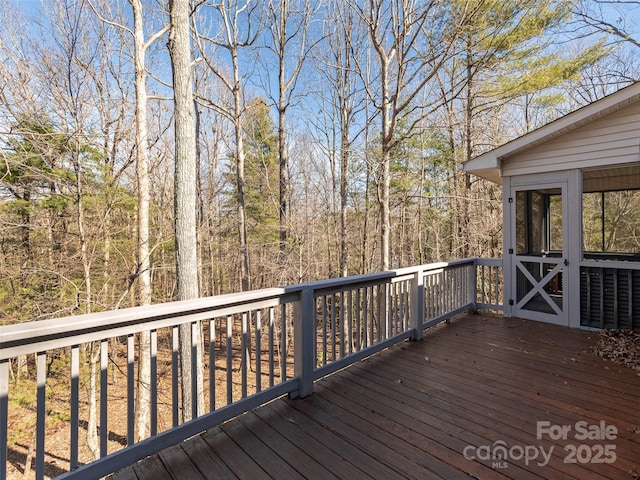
[[283, 343], [343, 325], [386, 307], [400, 327], [75, 407], [492, 291], [41, 410], [229, 360], [212, 364], [472, 285], [460, 290], [452, 287], [406, 303], [154, 383], [195, 394], [131, 381], [271, 347], [350, 321], [324, 329], [243, 355], [486, 298], [372, 316], [397, 315], [435, 297], [4, 416], [258, 343], [175, 349], [381, 313], [333, 328], [358, 319], [104, 425], [393, 308]]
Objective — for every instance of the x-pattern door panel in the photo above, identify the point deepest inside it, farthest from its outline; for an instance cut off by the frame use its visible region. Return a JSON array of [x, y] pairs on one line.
[[539, 250], [543, 291]]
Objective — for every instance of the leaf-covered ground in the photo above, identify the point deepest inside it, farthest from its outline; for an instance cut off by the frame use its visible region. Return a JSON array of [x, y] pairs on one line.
[[620, 346]]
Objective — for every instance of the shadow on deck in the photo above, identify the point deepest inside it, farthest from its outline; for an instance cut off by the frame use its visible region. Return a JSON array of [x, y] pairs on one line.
[[439, 408]]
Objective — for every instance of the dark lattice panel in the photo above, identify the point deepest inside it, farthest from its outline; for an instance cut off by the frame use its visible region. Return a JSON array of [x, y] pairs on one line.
[[609, 297]]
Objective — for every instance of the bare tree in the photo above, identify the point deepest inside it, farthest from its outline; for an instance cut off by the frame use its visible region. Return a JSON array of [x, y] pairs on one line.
[[143, 268], [73, 90], [615, 19], [185, 200], [143, 271], [233, 16], [410, 43], [345, 44], [288, 25]]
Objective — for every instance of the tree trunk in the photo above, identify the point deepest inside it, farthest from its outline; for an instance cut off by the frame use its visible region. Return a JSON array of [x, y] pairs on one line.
[[344, 184], [185, 201], [464, 212], [384, 176], [282, 150], [384, 189], [92, 420], [245, 265], [143, 399]]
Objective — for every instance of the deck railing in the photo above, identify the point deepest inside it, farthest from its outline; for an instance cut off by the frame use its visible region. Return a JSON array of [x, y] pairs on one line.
[[255, 346]]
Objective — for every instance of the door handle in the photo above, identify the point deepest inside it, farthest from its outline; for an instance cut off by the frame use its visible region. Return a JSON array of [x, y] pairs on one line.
[[566, 262]]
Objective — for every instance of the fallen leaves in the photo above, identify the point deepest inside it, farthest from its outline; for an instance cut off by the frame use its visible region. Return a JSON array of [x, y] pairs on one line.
[[620, 346]]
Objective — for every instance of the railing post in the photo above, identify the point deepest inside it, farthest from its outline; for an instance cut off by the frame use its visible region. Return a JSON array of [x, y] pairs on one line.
[[417, 304], [304, 331], [473, 285]]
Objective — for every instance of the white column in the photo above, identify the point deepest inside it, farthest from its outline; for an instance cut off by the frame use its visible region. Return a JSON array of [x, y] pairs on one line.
[[574, 244], [508, 242]]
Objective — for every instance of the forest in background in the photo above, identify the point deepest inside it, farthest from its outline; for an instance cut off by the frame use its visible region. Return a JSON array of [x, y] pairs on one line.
[[328, 136]]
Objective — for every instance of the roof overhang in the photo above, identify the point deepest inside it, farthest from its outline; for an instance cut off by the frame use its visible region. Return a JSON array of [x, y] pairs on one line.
[[489, 164]]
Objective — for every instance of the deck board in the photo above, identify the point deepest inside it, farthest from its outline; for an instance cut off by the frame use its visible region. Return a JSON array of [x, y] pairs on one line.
[[410, 412], [286, 449], [246, 434], [239, 462], [363, 434], [206, 460]]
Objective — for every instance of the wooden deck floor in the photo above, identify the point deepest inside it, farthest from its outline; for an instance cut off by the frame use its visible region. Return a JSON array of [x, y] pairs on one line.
[[415, 410]]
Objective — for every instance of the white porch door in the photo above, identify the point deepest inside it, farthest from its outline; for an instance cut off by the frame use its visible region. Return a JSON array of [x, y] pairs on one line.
[[539, 267]]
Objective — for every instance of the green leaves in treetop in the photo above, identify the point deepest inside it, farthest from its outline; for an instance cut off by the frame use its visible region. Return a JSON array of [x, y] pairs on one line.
[[34, 153], [261, 170], [504, 27], [18, 207], [534, 74], [511, 47], [56, 202], [40, 170]]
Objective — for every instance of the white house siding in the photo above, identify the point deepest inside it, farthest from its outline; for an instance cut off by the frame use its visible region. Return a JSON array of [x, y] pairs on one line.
[[612, 139]]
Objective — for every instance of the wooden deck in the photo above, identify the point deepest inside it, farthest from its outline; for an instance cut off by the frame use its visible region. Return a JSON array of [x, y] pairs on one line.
[[436, 409]]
